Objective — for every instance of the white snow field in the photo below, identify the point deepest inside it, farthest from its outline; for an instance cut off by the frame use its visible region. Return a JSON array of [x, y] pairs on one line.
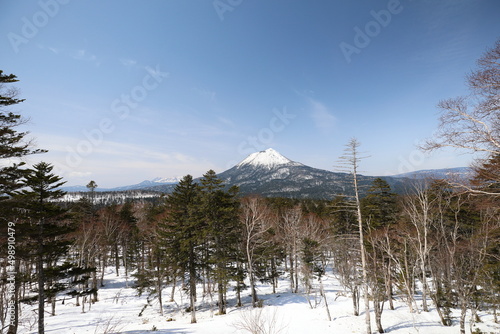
[[118, 308]]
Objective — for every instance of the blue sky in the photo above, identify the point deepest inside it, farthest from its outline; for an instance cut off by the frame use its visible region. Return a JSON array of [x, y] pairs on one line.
[[124, 91]]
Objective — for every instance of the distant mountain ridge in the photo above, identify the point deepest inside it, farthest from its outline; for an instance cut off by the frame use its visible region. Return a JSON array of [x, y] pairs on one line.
[[144, 185], [268, 173], [443, 173]]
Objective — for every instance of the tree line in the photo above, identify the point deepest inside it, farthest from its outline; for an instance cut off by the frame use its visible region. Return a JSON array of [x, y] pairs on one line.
[[435, 242]]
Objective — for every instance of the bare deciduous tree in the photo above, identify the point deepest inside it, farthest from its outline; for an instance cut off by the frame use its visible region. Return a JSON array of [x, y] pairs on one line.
[[472, 123], [290, 226], [255, 217], [417, 208]]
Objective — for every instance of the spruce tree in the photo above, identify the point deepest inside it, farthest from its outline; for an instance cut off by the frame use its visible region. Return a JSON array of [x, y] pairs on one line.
[[46, 231], [379, 205], [13, 144], [183, 232], [220, 211]]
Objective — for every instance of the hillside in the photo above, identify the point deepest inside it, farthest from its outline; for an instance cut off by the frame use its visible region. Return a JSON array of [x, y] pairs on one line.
[[119, 306]]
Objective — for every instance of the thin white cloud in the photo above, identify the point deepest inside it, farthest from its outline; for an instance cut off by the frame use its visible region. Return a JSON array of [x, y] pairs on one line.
[[51, 49], [321, 115], [84, 55], [113, 163], [128, 62]]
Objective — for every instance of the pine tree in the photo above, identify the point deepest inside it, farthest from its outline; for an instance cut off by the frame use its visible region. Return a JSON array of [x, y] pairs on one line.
[[13, 144], [220, 211], [184, 233], [46, 230], [379, 205]]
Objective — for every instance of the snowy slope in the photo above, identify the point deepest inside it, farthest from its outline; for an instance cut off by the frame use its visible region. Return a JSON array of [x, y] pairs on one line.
[[118, 308], [267, 159]]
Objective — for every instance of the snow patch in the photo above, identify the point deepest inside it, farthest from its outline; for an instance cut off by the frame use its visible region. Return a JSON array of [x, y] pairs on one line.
[[268, 159], [166, 179]]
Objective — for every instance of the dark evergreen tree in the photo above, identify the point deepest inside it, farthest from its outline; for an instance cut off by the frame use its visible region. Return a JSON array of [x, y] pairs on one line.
[[46, 230], [487, 175], [379, 206], [13, 144], [380, 209], [184, 232], [129, 237], [220, 212]]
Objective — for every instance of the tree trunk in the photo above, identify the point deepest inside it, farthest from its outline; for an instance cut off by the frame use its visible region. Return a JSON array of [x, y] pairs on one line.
[[222, 302], [378, 307], [363, 260], [117, 260], [160, 299], [238, 295], [251, 276], [41, 281], [174, 283], [322, 292], [255, 299], [273, 274], [193, 301], [388, 285], [53, 302], [425, 286], [296, 290], [355, 300], [463, 314], [95, 297], [192, 284], [103, 268]]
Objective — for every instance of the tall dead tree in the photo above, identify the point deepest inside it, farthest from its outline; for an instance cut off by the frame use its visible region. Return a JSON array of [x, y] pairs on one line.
[[350, 160]]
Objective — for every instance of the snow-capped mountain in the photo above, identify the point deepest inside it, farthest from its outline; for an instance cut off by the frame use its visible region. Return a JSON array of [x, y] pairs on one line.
[[268, 173], [267, 159]]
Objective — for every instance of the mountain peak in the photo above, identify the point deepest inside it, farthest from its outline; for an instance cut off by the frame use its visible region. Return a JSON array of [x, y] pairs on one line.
[[268, 159]]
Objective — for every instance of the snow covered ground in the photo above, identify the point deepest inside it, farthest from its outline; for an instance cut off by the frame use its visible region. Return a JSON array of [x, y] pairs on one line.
[[119, 306]]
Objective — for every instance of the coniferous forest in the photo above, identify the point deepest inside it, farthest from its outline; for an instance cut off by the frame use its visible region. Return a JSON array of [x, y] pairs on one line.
[[437, 246]]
